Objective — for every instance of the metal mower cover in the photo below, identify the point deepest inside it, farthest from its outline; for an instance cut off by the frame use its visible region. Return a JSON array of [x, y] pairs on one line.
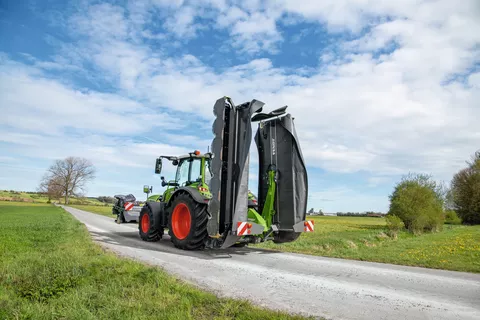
[[278, 147], [126, 208]]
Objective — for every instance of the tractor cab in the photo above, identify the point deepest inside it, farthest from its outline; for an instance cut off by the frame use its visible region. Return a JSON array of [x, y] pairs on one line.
[[193, 171]]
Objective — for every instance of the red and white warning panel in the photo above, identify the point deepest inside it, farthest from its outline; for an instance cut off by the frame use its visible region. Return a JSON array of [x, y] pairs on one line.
[[128, 206], [308, 226], [243, 228]]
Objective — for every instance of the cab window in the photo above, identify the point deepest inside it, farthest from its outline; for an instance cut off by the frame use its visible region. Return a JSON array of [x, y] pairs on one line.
[[196, 173], [182, 172], [189, 171]]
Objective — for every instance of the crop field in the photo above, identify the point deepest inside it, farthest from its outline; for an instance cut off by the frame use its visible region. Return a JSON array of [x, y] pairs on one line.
[[364, 238], [50, 269]]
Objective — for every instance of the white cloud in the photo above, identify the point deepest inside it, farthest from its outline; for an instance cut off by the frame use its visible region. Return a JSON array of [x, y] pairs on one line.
[[32, 102], [387, 100], [182, 23], [343, 199]]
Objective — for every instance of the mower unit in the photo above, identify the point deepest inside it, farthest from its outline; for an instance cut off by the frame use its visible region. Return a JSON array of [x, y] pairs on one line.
[[209, 203], [126, 208]]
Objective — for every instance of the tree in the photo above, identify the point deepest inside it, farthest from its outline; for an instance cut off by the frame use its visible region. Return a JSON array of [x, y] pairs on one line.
[[465, 189], [418, 201], [70, 176], [311, 211], [50, 188]]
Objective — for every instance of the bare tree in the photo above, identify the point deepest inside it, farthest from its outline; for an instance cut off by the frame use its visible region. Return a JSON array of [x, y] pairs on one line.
[[70, 176], [51, 188]]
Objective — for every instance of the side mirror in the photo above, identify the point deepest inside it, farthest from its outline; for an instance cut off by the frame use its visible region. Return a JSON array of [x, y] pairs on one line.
[[147, 189], [158, 166]]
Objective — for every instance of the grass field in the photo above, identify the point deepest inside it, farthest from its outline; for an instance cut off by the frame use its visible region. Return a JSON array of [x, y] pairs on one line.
[[104, 211], [20, 196], [50, 269], [364, 238]]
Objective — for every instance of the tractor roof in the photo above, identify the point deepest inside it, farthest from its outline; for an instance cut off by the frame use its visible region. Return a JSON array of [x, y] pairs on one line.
[[195, 154]]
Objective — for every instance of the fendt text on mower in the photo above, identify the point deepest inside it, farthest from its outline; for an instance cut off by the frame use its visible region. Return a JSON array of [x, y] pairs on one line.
[[209, 205]]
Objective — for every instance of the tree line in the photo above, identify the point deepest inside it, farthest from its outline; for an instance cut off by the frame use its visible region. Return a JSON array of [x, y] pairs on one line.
[[420, 204]]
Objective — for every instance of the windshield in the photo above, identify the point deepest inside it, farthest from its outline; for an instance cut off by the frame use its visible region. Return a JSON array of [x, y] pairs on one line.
[[189, 171]]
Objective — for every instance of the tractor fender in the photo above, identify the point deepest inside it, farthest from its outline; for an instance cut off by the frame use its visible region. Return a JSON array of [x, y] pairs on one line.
[[158, 211], [195, 194]]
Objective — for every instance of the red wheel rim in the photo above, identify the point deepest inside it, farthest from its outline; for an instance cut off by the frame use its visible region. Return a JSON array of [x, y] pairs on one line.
[[181, 221], [145, 223]]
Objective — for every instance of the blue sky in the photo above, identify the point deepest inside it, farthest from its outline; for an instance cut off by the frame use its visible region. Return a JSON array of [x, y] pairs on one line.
[[378, 88]]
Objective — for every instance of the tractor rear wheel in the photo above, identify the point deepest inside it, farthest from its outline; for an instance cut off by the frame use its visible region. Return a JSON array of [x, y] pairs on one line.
[[148, 227], [188, 223]]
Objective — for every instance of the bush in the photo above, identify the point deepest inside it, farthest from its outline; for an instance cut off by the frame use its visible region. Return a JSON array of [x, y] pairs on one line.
[[466, 192], [394, 224], [418, 202], [451, 217]]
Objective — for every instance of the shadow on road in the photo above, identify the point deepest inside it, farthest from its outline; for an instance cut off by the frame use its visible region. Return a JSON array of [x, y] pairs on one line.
[[132, 240]]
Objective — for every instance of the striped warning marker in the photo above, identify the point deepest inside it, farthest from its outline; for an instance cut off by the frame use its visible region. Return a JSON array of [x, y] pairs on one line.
[[128, 206], [243, 228], [308, 226]]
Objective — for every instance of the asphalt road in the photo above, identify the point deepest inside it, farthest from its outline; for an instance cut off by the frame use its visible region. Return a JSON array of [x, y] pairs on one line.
[[322, 287]]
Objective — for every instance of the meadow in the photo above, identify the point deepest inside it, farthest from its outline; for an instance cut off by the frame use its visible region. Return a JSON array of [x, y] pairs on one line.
[[102, 210], [51, 269], [34, 197], [456, 247]]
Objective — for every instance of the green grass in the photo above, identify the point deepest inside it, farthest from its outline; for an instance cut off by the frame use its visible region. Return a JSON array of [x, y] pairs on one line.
[[454, 248], [20, 196], [103, 210], [50, 269]]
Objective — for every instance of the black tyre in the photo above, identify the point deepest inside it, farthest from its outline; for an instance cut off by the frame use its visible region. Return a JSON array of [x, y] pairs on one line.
[[148, 228], [187, 225], [286, 236]]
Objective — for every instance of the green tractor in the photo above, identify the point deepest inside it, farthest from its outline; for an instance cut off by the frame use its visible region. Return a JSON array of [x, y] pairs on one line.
[[209, 205]]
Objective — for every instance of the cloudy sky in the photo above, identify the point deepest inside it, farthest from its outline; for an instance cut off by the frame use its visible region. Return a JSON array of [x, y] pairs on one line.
[[378, 88]]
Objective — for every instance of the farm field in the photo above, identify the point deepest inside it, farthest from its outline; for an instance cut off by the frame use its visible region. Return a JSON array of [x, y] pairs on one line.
[[50, 268], [33, 197], [363, 238], [103, 210]]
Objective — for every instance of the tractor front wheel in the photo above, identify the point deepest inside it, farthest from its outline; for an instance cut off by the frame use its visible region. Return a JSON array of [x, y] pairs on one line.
[[147, 226], [188, 223]]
